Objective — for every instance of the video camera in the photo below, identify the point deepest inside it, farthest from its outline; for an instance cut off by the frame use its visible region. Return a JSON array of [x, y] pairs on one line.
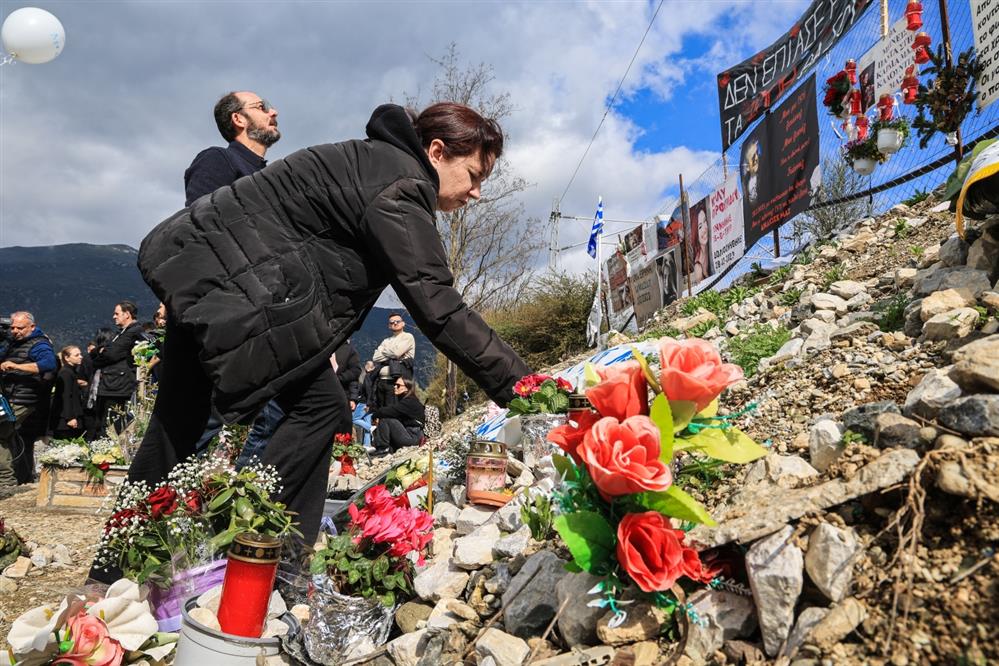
[[5, 335]]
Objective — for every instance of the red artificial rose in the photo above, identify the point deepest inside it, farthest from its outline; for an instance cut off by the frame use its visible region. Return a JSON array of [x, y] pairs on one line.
[[162, 502], [623, 457], [652, 552], [120, 519], [622, 393], [692, 370], [104, 466], [570, 435], [193, 501]]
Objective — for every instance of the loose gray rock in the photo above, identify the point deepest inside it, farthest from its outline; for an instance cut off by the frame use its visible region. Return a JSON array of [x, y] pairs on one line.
[[410, 614], [976, 365], [471, 517], [892, 430], [974, 415], [861, 419], [824, 444], [440, 581], [934, 390], [954, 251], [785, 471], [803, 626], [774, 567], [407, 649], [938, 279], [829, 560], [531, 598], [513, 544], [508, 516], [723, 616], [507, 650], [955, 323], [445, 514], [476, 550], [846, 289], [940, 302], [822, 301], [578, 622], [841, 619]]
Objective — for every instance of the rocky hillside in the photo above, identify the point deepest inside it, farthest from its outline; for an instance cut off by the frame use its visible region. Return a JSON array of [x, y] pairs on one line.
[[868, 533]]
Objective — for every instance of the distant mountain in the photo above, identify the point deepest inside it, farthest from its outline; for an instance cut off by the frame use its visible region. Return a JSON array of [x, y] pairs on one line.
[[72, 290]]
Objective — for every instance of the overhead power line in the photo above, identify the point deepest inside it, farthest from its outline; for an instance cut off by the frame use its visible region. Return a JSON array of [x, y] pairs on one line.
[[610, 105]]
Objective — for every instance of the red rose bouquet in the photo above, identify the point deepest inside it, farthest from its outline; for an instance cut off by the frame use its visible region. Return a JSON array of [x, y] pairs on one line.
[[622, 514], [346, 451], [540, 394], [836, 91], [189, 519], [374, 557]]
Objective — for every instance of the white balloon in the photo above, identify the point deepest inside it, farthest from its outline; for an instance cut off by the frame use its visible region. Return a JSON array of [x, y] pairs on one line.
[[32, 35]]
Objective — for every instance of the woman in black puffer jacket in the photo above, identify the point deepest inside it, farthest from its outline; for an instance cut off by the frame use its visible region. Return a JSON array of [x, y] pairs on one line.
[[400, 424], [265, 278]]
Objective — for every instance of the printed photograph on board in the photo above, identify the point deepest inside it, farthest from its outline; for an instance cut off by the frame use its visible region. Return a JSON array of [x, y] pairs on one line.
[[699, 242], [669, 229], [668, 268]]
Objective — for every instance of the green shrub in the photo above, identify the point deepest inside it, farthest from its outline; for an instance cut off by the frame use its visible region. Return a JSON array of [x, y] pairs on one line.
[[657, 332], [757, 343], [834, 274], [917, 197], [790, 297], [891, 312], [710, 300], [701, 329], [779, 276], [902, 228], [537, 514]]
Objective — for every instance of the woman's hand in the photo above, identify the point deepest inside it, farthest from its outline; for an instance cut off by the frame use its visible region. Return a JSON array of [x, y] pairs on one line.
[[72, 423], [81, 382]]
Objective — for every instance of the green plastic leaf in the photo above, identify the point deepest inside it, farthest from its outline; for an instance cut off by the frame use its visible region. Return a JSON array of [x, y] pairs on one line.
[[590, 376], [572, 567], [683, 411], [675, 503], [588, 536], [244, 509], [646, 370], [732, 445], [565, 467], [710, 411], [663, 418], [221, 499]]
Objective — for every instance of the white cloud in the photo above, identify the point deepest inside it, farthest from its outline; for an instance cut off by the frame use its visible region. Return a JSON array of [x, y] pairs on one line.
[[94, 144]]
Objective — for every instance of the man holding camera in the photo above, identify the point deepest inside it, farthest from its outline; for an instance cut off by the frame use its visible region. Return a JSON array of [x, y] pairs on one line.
[[27, 364]]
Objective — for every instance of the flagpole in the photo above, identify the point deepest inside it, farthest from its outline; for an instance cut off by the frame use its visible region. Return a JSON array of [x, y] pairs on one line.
[[600, 301]]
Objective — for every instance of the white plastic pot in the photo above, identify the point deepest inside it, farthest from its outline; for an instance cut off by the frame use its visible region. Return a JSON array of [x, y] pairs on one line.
[[864, 166], [889, 141], [199, 646]]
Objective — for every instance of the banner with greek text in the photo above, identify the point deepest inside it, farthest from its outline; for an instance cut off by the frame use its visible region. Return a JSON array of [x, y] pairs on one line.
[[985, 24], [779, 164], [728, 237], [746, 91]]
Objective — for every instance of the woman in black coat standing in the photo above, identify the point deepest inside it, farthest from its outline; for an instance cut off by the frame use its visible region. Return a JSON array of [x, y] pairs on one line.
[[67, 399], [265, 278], [399, 424]]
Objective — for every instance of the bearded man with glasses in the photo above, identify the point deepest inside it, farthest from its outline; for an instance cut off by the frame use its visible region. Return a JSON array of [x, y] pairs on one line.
[[249, 124]]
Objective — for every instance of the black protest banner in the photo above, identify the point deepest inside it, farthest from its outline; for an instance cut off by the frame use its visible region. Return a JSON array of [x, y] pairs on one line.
[[747, 90], [779, 164]]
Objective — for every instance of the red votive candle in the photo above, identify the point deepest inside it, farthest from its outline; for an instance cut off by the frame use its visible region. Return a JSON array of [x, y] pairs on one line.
[[249, 581]]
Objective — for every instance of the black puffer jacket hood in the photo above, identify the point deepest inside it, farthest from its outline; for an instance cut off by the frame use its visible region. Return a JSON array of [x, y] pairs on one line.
[[273, 273]]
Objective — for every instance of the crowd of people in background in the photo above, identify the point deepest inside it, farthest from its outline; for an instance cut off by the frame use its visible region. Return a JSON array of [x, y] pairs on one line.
[[88, 391]]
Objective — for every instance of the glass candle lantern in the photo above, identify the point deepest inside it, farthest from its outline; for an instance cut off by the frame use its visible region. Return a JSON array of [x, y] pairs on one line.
[[249, 581], [485, 473]]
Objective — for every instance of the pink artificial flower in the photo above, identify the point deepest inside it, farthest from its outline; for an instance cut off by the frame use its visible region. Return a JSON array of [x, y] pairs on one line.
[[692, 370], [92, 646], [622, 393], [623, 457]]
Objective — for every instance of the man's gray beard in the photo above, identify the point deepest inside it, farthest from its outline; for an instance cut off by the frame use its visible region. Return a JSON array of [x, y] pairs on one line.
[[266, 136]]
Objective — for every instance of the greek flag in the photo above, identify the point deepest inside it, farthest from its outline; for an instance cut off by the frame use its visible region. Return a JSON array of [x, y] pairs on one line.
[[598, 228]]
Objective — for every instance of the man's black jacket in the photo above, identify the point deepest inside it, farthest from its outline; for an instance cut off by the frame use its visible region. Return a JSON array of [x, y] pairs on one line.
[[116, 363], [271, 275], [348, 369]]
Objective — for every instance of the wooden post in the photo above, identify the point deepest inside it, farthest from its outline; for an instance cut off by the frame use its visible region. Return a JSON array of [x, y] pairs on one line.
[[776, 241], [884, 18], [685, 217], [949, 58]]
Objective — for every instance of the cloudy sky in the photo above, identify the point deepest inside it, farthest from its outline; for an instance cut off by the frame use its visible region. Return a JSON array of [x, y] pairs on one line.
[[94, 144]]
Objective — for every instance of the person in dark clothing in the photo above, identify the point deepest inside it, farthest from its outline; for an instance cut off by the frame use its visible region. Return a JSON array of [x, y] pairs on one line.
[[347, 365], [27, 365], [265, 279], [249, 124], [66, 415], [400, 424], [117, 366]]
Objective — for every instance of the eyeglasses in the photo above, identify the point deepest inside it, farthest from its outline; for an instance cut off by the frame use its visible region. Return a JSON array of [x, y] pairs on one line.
[[263, 105], [393, 322]]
